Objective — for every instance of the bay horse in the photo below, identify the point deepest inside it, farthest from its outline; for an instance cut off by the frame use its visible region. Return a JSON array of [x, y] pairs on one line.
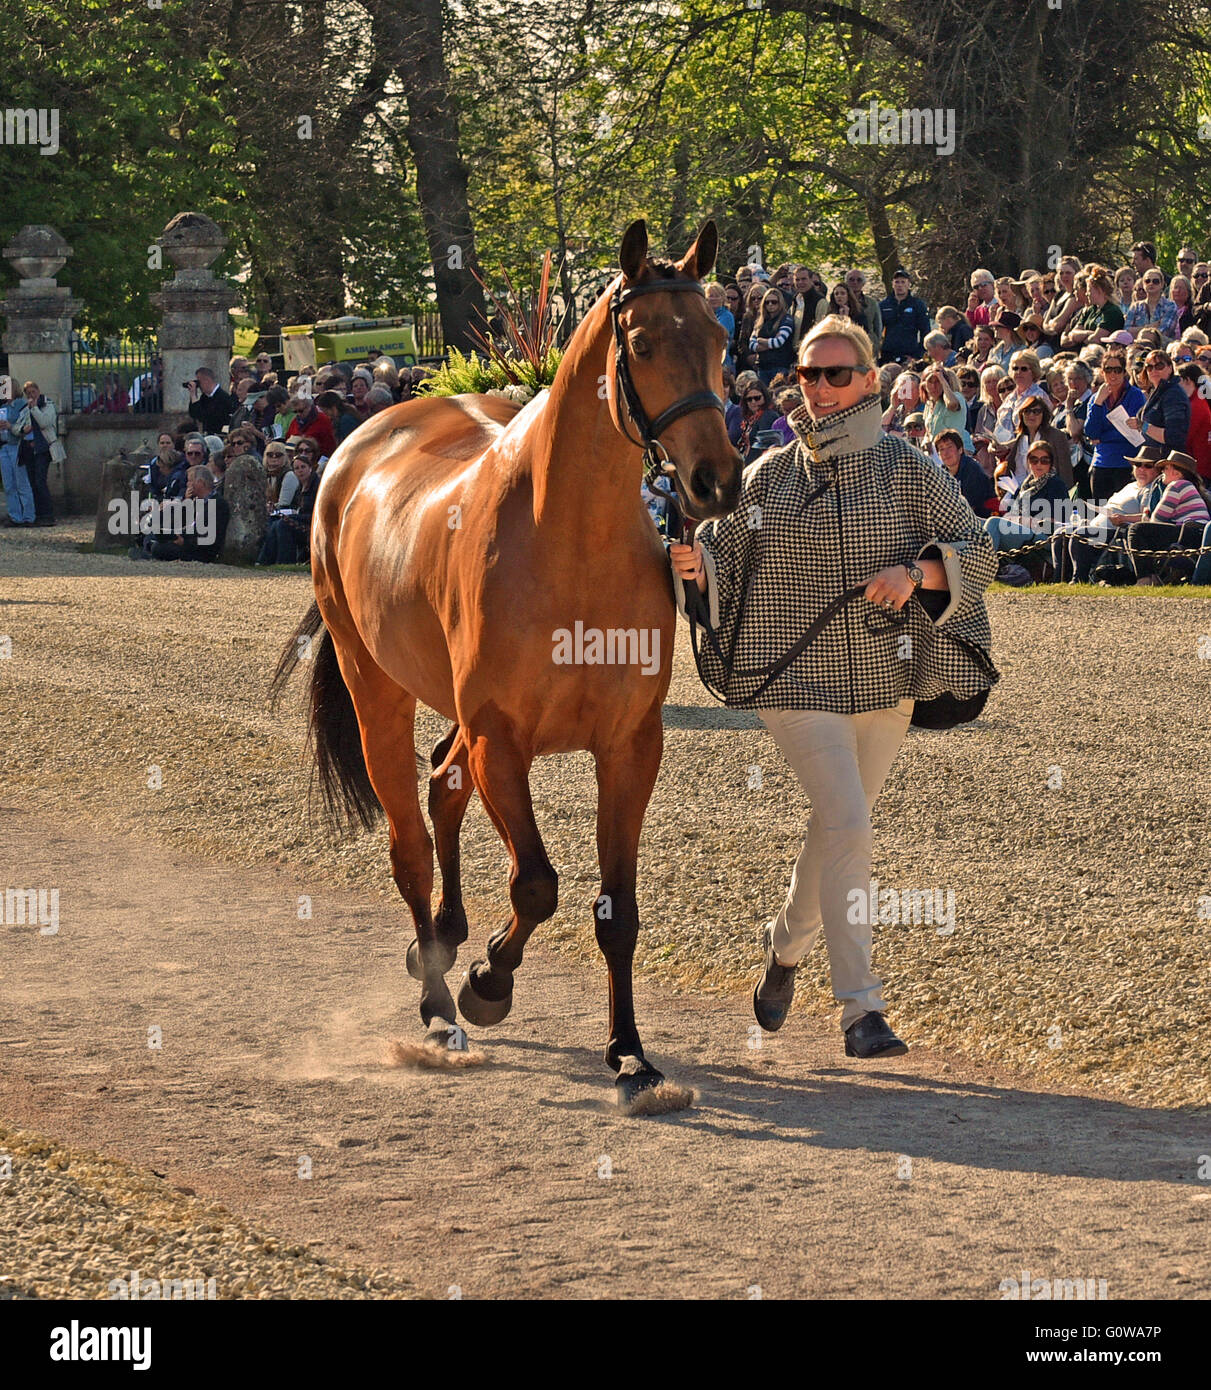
[[456, 541]]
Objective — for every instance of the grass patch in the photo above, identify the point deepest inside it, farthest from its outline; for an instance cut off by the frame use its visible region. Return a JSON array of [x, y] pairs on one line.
[[1095, 591]]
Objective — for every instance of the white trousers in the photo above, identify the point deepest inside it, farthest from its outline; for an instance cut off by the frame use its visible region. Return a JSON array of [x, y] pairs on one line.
[[841, 761]]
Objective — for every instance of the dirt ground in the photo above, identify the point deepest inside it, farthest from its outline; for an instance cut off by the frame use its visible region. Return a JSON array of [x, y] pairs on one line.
[[798, 1172]]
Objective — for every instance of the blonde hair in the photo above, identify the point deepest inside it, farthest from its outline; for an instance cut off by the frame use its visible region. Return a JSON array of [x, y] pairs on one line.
[[834, 326], [1028, 359]]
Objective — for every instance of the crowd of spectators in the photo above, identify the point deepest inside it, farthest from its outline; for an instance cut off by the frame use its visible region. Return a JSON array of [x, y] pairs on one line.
[[1071, 406]]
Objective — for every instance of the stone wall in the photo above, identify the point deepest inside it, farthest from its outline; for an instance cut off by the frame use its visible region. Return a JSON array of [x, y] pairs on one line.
[[90, 440]]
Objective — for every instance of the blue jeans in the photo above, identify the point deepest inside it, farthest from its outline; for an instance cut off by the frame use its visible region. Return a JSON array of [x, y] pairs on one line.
[[1007, 535], [18, 490], [1202, 569]]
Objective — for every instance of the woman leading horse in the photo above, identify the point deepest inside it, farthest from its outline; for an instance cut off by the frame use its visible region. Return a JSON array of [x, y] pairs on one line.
[[456, 541]]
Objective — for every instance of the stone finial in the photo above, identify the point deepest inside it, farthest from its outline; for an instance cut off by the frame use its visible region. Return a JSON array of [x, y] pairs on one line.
[[37, 253], [192, 240]]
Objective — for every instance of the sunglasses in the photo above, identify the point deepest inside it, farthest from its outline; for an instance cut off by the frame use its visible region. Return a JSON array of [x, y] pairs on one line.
[[754, 398], [1185, 260], [835, 376], [1038, 458], [1112, 371], [1202, 275], [1017, 371], [1158, 366], [1032, 410]]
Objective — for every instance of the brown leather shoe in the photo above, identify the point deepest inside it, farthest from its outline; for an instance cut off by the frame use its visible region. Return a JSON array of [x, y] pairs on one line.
[[775, 989], [871, 1036]]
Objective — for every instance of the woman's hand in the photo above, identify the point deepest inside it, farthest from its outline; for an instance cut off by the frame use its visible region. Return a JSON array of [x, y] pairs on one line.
[[890, 588], [1133, 422], [687, 563], [1102, 392]]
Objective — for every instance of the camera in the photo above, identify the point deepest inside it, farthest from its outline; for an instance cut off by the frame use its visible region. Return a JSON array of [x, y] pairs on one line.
[[188, 384]]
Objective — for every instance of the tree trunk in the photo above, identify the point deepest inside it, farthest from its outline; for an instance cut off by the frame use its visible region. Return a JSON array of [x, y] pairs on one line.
[[413, 30]]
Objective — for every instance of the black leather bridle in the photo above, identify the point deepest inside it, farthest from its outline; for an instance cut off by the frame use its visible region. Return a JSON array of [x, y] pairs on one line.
[[656, 457]]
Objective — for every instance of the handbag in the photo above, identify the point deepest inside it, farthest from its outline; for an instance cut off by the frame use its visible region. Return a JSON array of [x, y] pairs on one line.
[[944, 711]]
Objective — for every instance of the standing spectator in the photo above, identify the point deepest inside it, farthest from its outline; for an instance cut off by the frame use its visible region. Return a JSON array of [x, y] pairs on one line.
[[757, 414], [1143, 258], [18, 490], [209, 404], [746, 359], [982, 286], [1154, 310], [1064, 305], [840, 303], [717, 303], [955, 326], [905, 321], [771, 338], [36, 426], [113, 399], [1194, 382], [868, 306], [262, 366]]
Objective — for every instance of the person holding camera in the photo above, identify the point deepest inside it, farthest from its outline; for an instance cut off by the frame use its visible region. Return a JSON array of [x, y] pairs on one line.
[[36, 430], [209, 404]]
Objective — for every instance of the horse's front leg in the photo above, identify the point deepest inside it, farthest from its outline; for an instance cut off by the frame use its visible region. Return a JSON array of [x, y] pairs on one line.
[[626, 774]]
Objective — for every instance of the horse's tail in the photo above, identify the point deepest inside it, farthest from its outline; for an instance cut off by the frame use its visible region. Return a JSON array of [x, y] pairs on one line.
[[349, 799]]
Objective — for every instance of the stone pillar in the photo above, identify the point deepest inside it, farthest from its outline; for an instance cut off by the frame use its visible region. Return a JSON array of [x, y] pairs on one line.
[[196, 327], [38, 316]]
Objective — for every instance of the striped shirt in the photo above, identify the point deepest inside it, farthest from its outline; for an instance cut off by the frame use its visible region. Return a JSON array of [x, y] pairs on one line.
[[1181, 502]]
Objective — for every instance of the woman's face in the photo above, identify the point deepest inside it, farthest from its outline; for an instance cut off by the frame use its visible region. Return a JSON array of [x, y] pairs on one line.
[[1075, 382], [754, 400], [933, 387], [714, 296], [360, 390], [1159, 368], [984, 340], [1153, 284], [1125, 281], [1006, 295], [163, 441], [1023, 377], [275, 460], [732, 295], [949, 454], [771, 305], [1097, 293], [1172, 475], [1039, 462], [824, 397], [1178, 292], [753, 299], [1032, 417], [841, 297], [304, 463], [1066, 275]]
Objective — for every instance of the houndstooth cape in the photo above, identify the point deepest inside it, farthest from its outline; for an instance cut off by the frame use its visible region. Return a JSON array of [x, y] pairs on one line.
[[780, 558]]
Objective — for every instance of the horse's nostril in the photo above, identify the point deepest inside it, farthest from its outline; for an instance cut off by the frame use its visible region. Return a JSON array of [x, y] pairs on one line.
[[702, 480]]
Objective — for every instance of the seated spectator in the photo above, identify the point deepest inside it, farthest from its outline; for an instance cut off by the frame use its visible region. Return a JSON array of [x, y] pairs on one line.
[[168, 474], [975, 485], [341, 418], [980, 348], [1196, 384], [262, 365], [1036, 509], [359, 389], [942, 405], [1070, 418], [1078, 547], [264, 414], [386, 373], [1025, 371], [969, 389], [1033, 420], [1181, 292], [1031, 330], [378, 398], [312, 423], [288, 539], [113, 400], [788, 399], [1154, 310], [939, 350], [282, 483], [914, 431], [241, 410], [199, 537], [1009, 339], [757, 415], [1179, 518], [1165, 417], [905, 401]]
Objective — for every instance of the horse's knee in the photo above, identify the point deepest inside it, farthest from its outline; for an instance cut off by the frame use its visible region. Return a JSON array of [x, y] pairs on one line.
[[534, 894]]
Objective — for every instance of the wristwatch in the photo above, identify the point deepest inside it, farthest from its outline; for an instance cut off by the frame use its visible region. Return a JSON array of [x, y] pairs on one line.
[[915, 573]]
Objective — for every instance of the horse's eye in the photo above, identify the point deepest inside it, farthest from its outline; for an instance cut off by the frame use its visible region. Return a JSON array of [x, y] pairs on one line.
[[640, 346]]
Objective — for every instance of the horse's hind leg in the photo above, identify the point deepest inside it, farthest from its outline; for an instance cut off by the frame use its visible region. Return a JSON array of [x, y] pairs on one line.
[[501, 771], [386, 714], [450, 788]]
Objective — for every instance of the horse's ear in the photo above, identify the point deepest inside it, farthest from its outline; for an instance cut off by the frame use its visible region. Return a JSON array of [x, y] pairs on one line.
[[699, 260], [634, 249]]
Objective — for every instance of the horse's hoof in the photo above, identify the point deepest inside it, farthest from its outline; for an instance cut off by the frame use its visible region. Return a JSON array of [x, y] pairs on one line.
[[634, 1077], [412, 959], [478, 1010], [447, 1035]]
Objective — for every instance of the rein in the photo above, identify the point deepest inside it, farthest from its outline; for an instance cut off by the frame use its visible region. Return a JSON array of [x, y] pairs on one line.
[[656, 459]]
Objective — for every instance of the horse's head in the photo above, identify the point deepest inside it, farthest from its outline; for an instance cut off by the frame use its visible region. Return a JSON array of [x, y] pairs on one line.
[[668, 370]]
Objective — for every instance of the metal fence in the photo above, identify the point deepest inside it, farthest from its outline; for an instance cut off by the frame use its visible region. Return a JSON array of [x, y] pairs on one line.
[[115, 376]]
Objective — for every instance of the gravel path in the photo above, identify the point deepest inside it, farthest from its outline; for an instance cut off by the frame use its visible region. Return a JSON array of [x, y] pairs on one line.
[[1078, 958]]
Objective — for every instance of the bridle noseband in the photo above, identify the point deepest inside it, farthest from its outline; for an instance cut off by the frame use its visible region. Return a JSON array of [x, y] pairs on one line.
[[656, 457]]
